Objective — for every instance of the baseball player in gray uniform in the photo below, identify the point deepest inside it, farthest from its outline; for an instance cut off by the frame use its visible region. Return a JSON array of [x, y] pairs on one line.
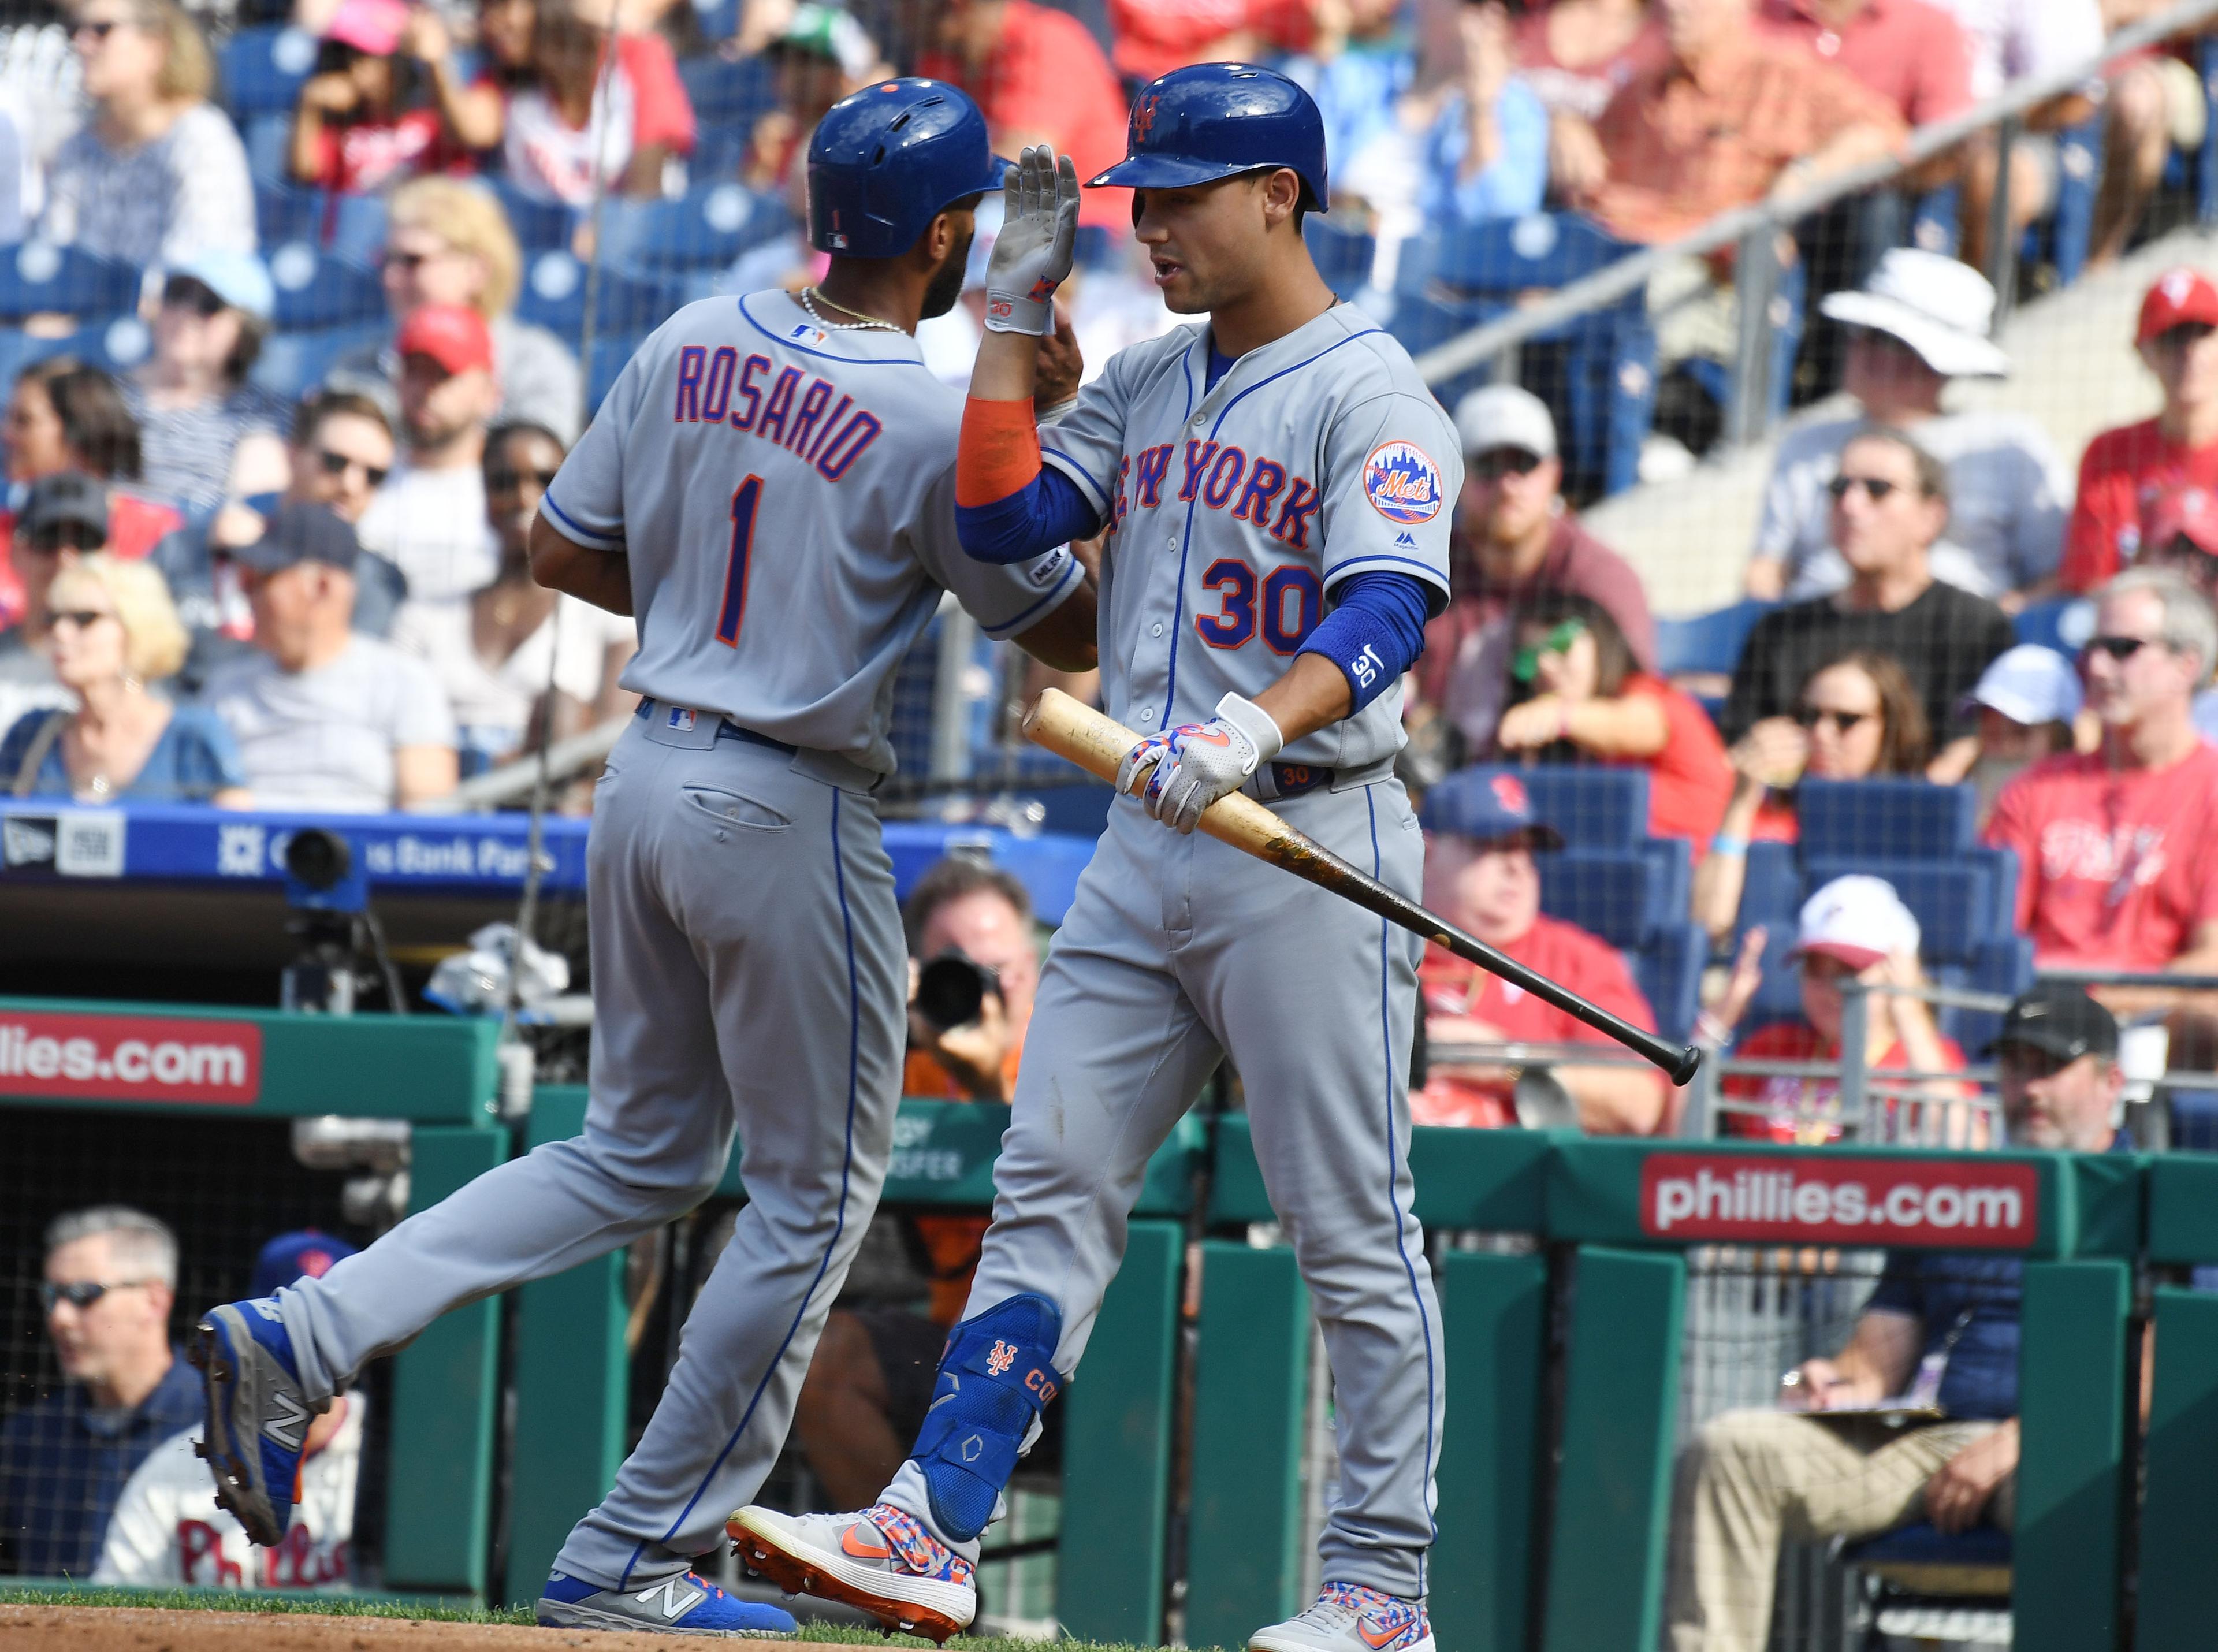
[[1274, 485], [770, 488]]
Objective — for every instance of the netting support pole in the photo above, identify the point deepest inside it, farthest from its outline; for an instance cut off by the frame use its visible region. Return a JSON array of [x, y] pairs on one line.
[[1755, 280], [2002, 245], [951, 702]]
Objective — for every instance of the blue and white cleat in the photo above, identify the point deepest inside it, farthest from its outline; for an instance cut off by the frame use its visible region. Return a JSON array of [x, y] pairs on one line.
[[880, 1560], [1349, 1618], [257, 1415], [680, 1605]]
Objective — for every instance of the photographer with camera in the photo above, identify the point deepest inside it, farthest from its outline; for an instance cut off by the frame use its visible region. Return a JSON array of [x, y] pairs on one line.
[[974, 966]]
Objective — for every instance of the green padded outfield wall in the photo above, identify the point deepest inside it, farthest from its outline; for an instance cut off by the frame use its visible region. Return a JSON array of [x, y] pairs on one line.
[[2178, 1585]]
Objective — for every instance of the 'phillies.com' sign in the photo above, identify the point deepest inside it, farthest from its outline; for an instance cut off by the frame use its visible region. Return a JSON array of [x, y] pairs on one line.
[[1959, 1204]]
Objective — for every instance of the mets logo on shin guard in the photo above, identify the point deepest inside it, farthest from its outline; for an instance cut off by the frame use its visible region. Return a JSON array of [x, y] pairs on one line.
[[1402, 483], [1000, 1358]]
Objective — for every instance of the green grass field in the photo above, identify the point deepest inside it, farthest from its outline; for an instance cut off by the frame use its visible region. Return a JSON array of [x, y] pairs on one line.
[[439, 1612]]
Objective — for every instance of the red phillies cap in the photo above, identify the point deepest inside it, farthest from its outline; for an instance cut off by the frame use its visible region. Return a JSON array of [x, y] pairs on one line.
[[2192, 511], [2179, 295], [451, 335]]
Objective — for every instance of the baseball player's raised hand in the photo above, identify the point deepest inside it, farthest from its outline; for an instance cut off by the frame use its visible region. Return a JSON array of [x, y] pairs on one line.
[[1187, 769], [1033, 253]]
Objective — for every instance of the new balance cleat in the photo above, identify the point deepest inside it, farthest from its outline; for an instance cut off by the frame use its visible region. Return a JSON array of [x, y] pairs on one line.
[[1349, 1618], [683, 1604], [257, 1415], [881, 1561]]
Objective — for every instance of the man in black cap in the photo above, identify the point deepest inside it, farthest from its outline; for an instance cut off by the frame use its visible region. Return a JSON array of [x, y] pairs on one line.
[[2057, 1057], [66, 516], [326, 717]]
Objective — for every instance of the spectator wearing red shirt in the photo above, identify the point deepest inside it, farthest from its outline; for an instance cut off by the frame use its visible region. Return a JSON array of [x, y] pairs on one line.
[[1516, 539], [1154, 37], [1039, 77], [1576, 696], [353, 128], [1914, 55], [2127, 473], [566, 129], [2117, 855], [1854, 926], [1479, 875]]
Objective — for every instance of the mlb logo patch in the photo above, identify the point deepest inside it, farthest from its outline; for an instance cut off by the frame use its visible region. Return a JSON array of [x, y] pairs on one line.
[[681, 719], [1402, 483]]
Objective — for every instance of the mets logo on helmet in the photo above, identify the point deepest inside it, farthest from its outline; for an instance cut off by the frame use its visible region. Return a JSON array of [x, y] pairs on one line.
[[1402, 483], [1000, 1358], [1144, 115]]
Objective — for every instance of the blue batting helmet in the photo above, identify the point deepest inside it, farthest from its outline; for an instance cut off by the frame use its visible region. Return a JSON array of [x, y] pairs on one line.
[[1211, 121], [885, 162]]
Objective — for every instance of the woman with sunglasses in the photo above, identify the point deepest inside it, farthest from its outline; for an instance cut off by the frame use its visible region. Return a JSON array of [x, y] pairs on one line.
[[1857, 716], [206, 435], [113, 631], [515, 652], [1576, 695], [158, 173], [64, 416]]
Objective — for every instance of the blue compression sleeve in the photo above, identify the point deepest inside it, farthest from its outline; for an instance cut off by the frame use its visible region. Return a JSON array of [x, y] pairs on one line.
[[1374, 633], [1047, 512]]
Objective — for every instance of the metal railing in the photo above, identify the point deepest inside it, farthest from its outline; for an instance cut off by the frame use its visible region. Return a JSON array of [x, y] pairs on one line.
[[1752, 228]]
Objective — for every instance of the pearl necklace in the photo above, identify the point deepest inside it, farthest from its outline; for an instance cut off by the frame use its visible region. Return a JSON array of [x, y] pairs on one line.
[[871, 324]]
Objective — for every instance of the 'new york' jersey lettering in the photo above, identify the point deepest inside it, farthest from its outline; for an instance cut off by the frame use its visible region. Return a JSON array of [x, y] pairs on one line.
[[1234, 513], [786, 497]]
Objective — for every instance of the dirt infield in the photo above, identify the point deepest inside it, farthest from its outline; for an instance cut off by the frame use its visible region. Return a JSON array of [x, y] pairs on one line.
[[111, 1629]]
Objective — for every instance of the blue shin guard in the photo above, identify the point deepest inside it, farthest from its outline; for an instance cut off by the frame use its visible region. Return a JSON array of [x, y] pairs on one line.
[[994, 1380]]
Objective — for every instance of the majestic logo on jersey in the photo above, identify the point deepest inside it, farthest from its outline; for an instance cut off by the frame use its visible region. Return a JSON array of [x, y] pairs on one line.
[[1402, 483], [999, 1361]]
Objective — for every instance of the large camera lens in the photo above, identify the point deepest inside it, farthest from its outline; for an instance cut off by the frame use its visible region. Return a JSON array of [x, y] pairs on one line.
[[950, 990], [319, 859]]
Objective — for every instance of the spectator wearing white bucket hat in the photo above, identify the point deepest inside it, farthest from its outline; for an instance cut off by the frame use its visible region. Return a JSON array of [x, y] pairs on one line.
[[2026, 702], [1918, 322], [1854, 926]]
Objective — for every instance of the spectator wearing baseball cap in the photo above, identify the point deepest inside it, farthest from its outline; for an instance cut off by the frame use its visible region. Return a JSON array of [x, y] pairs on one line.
[[1479, 875], [167, 1531], [326, 718], [1919, 322], [822, 56], [359, 123], [2126, 472], [65, 515], [2056, 1059], [1854, 926], [206, 434], [2027, 702], [429, 519], [1515, 540]]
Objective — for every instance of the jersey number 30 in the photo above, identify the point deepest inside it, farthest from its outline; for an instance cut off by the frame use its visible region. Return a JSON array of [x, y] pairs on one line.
[[734, 607], [1291, 601]]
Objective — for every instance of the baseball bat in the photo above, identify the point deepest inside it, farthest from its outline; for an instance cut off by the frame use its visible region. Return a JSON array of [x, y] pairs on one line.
[[1098, 744]]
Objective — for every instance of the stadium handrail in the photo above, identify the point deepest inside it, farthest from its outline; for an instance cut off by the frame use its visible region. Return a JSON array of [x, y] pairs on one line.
[[514, 782], [1492, 338]]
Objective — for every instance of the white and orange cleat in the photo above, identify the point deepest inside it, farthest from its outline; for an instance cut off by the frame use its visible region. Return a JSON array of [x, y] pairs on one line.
[[1349, 1618], [881, 1561]]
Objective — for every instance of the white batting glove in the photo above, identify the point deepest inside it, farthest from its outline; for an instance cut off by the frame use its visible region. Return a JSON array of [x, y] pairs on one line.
[[1189, 768], [1033, 253]]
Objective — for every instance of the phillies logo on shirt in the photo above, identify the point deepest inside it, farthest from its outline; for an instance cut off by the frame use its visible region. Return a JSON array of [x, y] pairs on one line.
[[1402, 483], [1510, 792]]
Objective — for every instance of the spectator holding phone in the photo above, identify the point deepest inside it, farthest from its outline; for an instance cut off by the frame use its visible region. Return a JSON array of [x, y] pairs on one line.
[[358, 124]]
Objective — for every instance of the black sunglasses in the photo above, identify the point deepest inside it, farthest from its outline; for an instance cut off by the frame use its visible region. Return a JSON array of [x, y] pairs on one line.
[[504, 479], [1843, 721], [1498, 462], [186, 292], [99, 31], [82, 618], [1875, 487], [338, 464], [69, 536], [82, 1293], [2120, 649]]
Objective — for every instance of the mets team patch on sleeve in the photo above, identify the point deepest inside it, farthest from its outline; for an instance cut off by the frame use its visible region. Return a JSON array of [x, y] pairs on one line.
[[1402, 483]]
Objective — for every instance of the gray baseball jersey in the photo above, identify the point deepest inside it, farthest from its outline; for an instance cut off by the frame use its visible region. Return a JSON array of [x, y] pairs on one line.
[[1318, 456], [787, 497], [1236, 509]]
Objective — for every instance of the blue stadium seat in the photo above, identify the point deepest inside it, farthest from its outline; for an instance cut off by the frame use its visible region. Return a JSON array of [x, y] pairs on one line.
[[269, 150], [115, 345], [316, 290], [2000, 964], [1954, 900], [2206, 159], [610, 355], [350, 225], [719, 19], [2070, 229], [1669, 972], [1344, 255], [293, 363], [707, 227], [539, 224], [1625, 897], [37, 277], [554, 297], [1593, 807], [1937, 225], [724, 93], [2063, 623], [1706, 642], [262, 68], [1901, 819]]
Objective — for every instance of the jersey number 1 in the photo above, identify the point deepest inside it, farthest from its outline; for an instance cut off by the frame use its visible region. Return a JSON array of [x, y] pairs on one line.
[[734, 607]]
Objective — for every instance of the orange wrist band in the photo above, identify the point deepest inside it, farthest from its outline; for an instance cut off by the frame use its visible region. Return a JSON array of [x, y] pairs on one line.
[[999, 452]]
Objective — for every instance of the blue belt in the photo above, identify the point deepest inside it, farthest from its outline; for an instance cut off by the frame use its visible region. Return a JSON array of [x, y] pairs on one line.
[[726, 730]]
